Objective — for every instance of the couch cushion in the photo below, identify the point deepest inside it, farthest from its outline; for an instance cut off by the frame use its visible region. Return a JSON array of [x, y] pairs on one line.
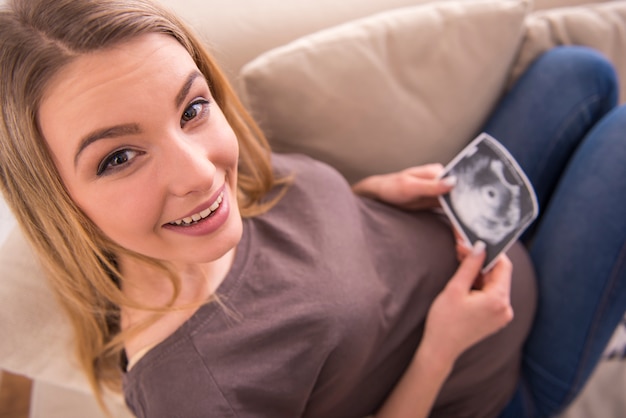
[[600, 26], [396, 89], [239, 30]]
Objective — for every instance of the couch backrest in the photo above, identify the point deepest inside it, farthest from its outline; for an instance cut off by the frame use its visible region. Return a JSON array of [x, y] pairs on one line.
[[239, 30]]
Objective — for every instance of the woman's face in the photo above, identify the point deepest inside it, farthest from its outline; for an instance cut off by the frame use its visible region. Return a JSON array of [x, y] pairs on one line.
[[145, 151]]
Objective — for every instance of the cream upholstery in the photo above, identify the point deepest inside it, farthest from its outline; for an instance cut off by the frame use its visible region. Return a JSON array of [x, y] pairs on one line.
[[365, 96], [599, 26]]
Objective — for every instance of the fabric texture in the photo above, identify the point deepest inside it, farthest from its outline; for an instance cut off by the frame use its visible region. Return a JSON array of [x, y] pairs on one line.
[[324, 308], [600, 26], [397, 89]]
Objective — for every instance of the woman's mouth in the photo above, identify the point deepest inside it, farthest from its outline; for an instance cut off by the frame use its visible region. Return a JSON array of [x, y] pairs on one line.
[[197, 217]]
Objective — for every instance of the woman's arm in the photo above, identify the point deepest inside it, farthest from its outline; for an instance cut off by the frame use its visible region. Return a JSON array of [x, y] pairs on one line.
[[459, 317], [416, 392], [471, 307]]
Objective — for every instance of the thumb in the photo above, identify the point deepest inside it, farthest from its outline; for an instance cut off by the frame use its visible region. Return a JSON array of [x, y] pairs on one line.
[[470, 267]]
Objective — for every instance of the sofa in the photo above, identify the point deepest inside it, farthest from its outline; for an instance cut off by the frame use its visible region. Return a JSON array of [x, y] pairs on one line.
[[315, 74]]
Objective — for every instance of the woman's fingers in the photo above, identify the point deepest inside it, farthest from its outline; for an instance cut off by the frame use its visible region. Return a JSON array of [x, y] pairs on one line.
[[462, 249], [469, 269], [413, 188], [414, 184], [431, 171], [498, 279]]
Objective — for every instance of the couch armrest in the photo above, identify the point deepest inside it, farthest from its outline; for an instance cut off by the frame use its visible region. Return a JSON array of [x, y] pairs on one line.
[[599, 26], [51, 401]]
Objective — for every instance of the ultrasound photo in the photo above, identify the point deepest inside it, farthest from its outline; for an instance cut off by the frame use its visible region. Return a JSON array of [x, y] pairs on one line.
[[492, 201]]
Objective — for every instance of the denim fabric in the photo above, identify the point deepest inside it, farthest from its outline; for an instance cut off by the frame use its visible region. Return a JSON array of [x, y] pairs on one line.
[[561, 123]]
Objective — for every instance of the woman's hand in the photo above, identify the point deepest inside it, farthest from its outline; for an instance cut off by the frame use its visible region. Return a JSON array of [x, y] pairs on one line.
[[460, 316], [471, 307], [463, 249], [413, 188]]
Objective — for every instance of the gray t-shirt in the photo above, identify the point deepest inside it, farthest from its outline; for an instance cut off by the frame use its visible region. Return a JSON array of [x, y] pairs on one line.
[[321, 313]]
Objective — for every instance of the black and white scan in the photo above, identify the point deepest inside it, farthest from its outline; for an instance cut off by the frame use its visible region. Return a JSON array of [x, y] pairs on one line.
[[492, 201], [487, 202]]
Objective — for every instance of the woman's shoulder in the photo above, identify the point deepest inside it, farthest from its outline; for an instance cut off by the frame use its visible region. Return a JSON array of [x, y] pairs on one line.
[[310, 179], [301, 165]]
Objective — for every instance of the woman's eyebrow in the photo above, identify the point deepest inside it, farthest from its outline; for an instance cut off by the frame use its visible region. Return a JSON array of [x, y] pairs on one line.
[[109, 132], [184, 91]]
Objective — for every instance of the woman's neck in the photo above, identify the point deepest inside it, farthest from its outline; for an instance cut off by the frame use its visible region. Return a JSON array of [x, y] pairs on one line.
[[150, 287]]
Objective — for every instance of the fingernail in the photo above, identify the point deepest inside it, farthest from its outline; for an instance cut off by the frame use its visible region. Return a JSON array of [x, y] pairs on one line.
[[479, 247], [449, 181]]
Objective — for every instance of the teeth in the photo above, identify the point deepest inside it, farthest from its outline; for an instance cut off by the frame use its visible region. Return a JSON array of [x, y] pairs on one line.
[[204, 214]]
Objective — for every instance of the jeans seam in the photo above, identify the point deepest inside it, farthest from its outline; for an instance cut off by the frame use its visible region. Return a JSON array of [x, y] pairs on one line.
[[578, 109], [585, 103]]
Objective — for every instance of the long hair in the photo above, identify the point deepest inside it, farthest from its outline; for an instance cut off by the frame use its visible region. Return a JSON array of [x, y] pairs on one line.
[[38, 38]]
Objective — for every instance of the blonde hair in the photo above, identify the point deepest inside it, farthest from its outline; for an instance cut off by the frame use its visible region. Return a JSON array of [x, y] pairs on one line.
[[37, 39]]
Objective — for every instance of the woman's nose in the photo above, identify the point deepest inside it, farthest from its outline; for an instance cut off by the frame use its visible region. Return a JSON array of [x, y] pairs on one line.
[[186, 167]]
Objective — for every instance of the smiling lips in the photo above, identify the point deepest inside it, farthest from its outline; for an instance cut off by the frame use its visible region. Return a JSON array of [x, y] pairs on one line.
[[195, 218]]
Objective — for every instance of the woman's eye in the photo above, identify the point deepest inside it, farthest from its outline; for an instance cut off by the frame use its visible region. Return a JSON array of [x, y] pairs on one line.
[[197, 108], [116, 160]]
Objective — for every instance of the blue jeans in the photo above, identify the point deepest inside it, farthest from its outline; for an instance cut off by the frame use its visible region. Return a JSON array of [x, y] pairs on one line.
[[561, 123]]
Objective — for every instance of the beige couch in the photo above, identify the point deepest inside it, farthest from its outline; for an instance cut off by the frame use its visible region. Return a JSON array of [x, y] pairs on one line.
[[434, 68]]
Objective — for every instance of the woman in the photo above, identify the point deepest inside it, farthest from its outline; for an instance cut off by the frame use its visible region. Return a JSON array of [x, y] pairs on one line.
[[164, 196]]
